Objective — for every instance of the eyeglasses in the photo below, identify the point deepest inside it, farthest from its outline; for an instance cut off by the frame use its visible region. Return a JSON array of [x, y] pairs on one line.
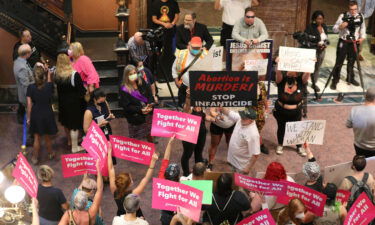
[[250, 17]]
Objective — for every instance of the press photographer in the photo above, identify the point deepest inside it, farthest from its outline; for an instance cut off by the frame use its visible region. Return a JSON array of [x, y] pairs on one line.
[[352, 29]]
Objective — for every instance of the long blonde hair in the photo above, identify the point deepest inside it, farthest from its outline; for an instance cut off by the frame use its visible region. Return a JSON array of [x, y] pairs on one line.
[[125, 78], [77, 50], [64, 68], [288, 213]]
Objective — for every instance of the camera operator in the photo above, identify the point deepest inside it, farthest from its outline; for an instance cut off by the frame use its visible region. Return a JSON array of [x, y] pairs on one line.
[[351, 28], [318, 30]]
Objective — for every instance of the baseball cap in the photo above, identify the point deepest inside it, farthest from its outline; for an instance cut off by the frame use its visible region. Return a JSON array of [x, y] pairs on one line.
[[248, 113], [196, 41]]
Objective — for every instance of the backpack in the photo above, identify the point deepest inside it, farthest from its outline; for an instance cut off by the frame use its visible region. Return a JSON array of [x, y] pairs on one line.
[[357, 189]]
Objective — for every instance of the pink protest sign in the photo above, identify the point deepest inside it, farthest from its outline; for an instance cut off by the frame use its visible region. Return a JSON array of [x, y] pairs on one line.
[[78, 164], [132, 149], [361, 212], [342, 196], [265, 186], [263, 217], [96, 143], [25, 175], [313, 200], [168, 195], [166, 123]]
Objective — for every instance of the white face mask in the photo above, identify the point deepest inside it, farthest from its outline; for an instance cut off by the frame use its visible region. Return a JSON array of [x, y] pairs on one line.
[[300, 215], [133, 77]]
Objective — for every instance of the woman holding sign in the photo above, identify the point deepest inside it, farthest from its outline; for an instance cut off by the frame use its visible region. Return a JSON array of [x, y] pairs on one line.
[[138, 104], [290, 88]]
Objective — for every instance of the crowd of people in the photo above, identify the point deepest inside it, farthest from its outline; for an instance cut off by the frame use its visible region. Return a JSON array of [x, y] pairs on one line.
[[81, 101]]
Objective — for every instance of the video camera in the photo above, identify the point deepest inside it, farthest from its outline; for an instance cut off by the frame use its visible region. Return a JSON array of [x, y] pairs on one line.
[[353, 23], [306, 40], [152, 35]]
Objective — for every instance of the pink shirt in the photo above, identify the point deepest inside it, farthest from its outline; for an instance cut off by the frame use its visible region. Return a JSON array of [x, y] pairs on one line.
[[86, 69]]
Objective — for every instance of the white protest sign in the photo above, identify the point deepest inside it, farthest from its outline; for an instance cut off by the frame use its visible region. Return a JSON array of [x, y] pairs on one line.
[[213, 61], [259, 65], [296, 59], [309, 131]]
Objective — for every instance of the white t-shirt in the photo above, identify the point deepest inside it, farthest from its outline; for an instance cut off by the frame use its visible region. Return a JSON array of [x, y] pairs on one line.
[[233, 10], [244, 143], [119, 220]]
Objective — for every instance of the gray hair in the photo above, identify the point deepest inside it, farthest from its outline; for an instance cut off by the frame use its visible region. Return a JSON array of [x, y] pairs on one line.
[[370, 94], [131, 203], [80, 200]]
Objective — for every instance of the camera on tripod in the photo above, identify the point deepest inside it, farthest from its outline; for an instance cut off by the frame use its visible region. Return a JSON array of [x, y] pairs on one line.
[[353, 23], [152, 35]]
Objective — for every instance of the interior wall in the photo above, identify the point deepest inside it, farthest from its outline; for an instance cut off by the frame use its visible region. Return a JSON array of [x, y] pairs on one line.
[[6, 61]]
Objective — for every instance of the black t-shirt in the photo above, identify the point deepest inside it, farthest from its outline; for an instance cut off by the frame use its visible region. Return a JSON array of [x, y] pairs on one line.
[[165, 11], [50, 200]]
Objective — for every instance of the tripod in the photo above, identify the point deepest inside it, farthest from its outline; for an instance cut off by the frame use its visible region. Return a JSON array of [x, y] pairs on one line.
[[355, 49]]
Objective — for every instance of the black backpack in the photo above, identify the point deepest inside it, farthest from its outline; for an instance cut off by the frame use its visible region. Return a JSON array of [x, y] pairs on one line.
[[357, 189]]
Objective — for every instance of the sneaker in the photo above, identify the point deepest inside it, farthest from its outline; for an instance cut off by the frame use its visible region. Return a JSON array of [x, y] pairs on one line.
[[354, 82], [301, 151], [264, 149], [333, 86], [279, 150]]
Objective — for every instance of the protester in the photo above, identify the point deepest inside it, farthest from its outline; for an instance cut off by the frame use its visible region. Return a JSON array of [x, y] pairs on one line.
[[71, 92], [190, 148], [249, 29], [121, 184], [137, 101], [191, 28], [24, 77], [293, 213], [131, 206], [84, 66], [88, 186], [198, 172], [227, 204], [244, 147], [353, 183], [51, 200], [334, 212], [139, 50], [221, 125], [319, 30], [40, 115], [350, 27], [26, 38], [185, 59], [98, 110], [290, 87], [362, 120], [81, 216], [232, 12]]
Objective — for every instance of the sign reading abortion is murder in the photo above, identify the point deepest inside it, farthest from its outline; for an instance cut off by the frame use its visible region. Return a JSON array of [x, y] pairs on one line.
[[78, 164], [166, 123], [265, 186], [25, 175], [222, 88], [313, 200], [308, 131], [169, 195], [361, 212], [96, 143], [263, 217], [132, 149], [296, 59]]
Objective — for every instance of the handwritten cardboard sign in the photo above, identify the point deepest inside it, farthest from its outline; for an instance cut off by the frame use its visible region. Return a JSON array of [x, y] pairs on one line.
[[25, 175], [263, 217], [166, 123], [96, 143], [361, 212], [79, 164], [255, 184], [309, 131], [168, 195], [132, 149], [342, 196], [313, 200], [223, 88], [296, 59]]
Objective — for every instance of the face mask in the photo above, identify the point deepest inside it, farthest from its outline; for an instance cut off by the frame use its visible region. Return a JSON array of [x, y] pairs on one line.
[[300, 215], [133, 77], [194, 51], [290, 80], [70, 53]]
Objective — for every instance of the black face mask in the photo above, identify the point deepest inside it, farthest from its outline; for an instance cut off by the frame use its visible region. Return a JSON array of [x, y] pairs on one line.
[[290, 80]]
